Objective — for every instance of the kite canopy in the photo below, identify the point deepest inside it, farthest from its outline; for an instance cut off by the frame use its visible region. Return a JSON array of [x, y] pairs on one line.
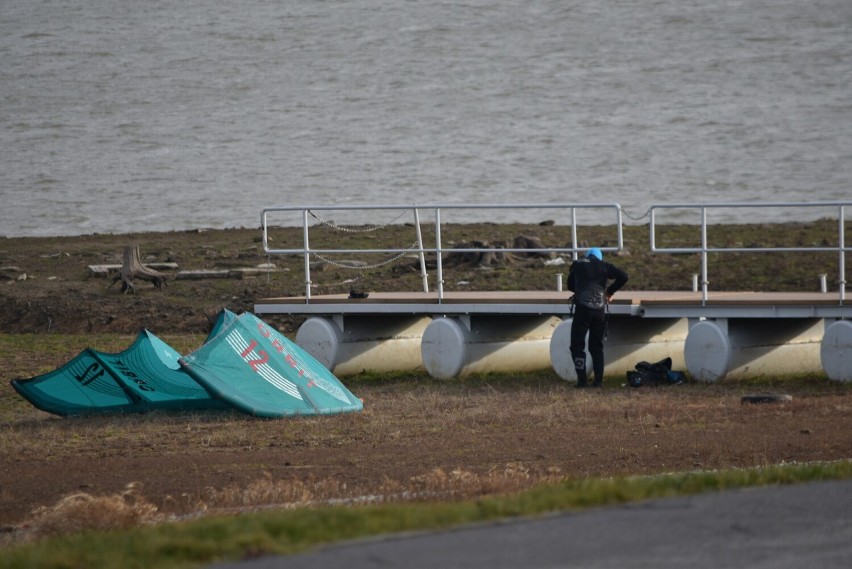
[[144, 377], [259, 371], [274, 378], [223, 320]]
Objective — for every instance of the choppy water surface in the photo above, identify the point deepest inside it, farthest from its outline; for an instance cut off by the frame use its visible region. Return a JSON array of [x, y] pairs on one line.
[[125, 116]]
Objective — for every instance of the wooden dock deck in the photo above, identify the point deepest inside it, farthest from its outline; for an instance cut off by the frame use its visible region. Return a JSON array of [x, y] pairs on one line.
[[636, 303]]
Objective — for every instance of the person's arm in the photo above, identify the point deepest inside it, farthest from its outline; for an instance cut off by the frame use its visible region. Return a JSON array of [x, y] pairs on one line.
[[619, 280], [572, 280]]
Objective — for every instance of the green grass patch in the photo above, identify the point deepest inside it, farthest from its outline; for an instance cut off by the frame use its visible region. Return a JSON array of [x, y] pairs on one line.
[[196, 543]]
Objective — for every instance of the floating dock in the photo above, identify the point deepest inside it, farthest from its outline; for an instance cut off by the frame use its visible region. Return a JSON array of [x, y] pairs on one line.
[[723, 334], [451, 334]]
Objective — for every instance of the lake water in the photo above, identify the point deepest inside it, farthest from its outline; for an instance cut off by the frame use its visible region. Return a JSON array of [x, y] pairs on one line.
[[120, 116]]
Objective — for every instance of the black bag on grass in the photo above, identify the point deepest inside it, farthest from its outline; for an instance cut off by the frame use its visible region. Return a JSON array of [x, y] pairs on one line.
[[653, 374]]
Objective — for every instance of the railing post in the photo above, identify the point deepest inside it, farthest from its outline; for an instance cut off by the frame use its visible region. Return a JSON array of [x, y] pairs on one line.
[[573, 234], [704, 281], [842, 259], [618, 226], [265, 241], [307, 256], [423, 274], [652, 240], [440, 265]]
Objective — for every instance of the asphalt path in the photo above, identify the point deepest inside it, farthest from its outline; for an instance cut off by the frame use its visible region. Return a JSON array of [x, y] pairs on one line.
[[806, 525]]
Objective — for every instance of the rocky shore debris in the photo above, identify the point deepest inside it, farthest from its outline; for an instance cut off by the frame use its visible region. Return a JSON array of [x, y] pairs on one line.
[[494, 255]]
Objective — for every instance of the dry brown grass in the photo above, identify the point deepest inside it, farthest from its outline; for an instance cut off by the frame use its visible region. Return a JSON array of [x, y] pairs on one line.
[[417, 439], [128, 509], [434, 485], [81, 511]]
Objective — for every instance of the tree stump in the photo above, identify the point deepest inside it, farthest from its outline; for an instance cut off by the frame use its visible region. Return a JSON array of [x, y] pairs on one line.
[[488, 255], [494, 254], [133, 268]]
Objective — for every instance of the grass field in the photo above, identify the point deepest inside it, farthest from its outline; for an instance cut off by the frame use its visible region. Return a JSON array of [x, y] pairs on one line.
[[184, 489]]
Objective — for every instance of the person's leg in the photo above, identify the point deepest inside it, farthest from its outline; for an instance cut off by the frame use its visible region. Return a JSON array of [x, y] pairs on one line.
[[579, 328], [597, 329]]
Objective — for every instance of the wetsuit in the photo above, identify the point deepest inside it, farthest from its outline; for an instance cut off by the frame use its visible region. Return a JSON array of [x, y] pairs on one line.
[[588, 280]]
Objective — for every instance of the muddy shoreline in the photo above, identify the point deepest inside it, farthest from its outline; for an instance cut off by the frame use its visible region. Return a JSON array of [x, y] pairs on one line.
[[47, 285]]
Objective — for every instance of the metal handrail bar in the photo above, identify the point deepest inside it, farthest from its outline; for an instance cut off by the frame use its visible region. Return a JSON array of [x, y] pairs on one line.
[[438, 250], [305, 209], [434, 250], [705, 249]]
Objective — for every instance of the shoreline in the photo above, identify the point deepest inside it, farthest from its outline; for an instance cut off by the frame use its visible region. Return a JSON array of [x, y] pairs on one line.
[[629, 218], [627, 221], [46, 285]]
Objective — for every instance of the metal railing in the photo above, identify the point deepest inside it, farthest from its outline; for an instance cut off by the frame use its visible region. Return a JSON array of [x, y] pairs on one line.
[[706, 249], [306, 213]]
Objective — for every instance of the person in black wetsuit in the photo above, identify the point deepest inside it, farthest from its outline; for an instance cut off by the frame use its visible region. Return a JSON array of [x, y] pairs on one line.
[[587, 279]]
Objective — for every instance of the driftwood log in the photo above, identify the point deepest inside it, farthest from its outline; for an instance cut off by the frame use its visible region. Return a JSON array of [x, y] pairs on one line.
[[132, 268]]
